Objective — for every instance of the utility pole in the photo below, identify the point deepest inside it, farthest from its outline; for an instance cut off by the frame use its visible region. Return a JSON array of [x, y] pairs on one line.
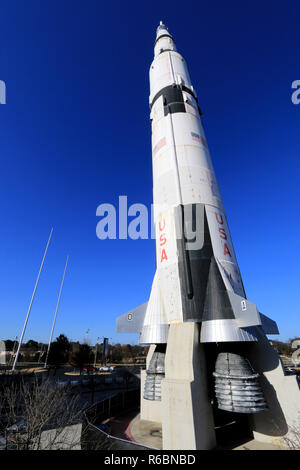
[[31, 302]]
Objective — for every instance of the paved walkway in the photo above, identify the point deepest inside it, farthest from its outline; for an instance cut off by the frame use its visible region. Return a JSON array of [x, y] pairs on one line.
[[255, 445], [119, 426]]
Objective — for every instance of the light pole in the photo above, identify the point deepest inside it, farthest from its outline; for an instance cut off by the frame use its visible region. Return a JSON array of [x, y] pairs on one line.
[[86, 335]]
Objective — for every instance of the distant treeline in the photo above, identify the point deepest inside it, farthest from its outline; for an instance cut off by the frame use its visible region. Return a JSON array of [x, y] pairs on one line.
[[63, 351], [284, 348]]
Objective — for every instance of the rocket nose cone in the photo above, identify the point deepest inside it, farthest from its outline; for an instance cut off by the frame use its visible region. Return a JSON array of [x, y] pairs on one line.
[[160, 27]]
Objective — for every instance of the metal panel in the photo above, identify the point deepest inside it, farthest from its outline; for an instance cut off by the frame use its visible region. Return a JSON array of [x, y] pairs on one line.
[[217, 304], [223, 247], [132, 321], [154, 334], [155, 327], [167, 267], [215, 331], [193, 264]]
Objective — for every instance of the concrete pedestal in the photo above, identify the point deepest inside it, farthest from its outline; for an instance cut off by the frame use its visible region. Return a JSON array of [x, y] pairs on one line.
[[185, 411], [187, 419]]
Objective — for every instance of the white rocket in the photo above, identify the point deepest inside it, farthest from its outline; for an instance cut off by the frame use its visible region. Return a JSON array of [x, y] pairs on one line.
[[197, 277]]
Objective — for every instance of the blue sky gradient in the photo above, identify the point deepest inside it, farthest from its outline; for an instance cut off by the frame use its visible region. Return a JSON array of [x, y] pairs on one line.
[[75, 133]]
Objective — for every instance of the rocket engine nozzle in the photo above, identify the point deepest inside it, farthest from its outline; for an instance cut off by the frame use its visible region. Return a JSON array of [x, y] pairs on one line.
[[237, 386], [155, 374]]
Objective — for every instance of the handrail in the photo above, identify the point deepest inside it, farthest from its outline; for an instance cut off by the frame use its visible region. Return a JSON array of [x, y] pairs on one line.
[[107, 435], [110, 436]]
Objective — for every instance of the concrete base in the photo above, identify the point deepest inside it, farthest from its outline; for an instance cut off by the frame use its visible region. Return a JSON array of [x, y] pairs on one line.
[[187, 419], [277, 425], [150, 410], [185, 411], [147, 433]]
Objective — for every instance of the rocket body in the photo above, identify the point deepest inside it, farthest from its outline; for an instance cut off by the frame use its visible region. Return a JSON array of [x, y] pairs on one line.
[[197, 276]]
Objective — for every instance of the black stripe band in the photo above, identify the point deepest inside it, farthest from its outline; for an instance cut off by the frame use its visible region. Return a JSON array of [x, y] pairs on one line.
[[166, 50], [166, 91], [188, 90], [163, 36]]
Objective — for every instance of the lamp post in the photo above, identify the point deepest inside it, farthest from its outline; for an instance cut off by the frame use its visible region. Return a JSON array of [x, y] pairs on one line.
[[86, 336]]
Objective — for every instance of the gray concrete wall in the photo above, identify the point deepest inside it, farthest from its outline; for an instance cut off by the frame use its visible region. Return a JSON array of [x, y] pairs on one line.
[[67, 438]]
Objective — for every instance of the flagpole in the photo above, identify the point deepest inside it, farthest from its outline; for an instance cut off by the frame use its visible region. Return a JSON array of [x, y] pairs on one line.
[[55, 315], [31, 302]]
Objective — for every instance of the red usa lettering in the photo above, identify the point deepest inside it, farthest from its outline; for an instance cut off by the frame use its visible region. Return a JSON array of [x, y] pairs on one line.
[[222, 233], [162, 240]]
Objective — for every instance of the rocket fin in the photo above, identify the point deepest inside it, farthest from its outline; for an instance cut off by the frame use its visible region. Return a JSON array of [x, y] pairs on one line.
[[245, 312], [149, 319], [269, 326], [132, 321]]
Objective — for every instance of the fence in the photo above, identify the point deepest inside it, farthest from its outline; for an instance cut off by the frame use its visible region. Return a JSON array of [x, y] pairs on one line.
[[94, 438]]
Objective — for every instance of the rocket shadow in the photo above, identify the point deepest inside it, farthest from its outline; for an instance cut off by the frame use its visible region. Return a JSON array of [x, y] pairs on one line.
[[272, 421], [267, 362]]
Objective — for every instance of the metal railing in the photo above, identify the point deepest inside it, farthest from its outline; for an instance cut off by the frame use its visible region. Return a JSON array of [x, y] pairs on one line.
[[94, 438]]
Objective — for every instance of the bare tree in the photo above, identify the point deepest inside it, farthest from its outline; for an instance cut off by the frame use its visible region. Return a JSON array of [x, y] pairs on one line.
[[41, 416], [292, 439]]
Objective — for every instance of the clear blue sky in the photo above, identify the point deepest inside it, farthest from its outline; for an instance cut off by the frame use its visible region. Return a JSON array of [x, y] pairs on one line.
[[75, 133]]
